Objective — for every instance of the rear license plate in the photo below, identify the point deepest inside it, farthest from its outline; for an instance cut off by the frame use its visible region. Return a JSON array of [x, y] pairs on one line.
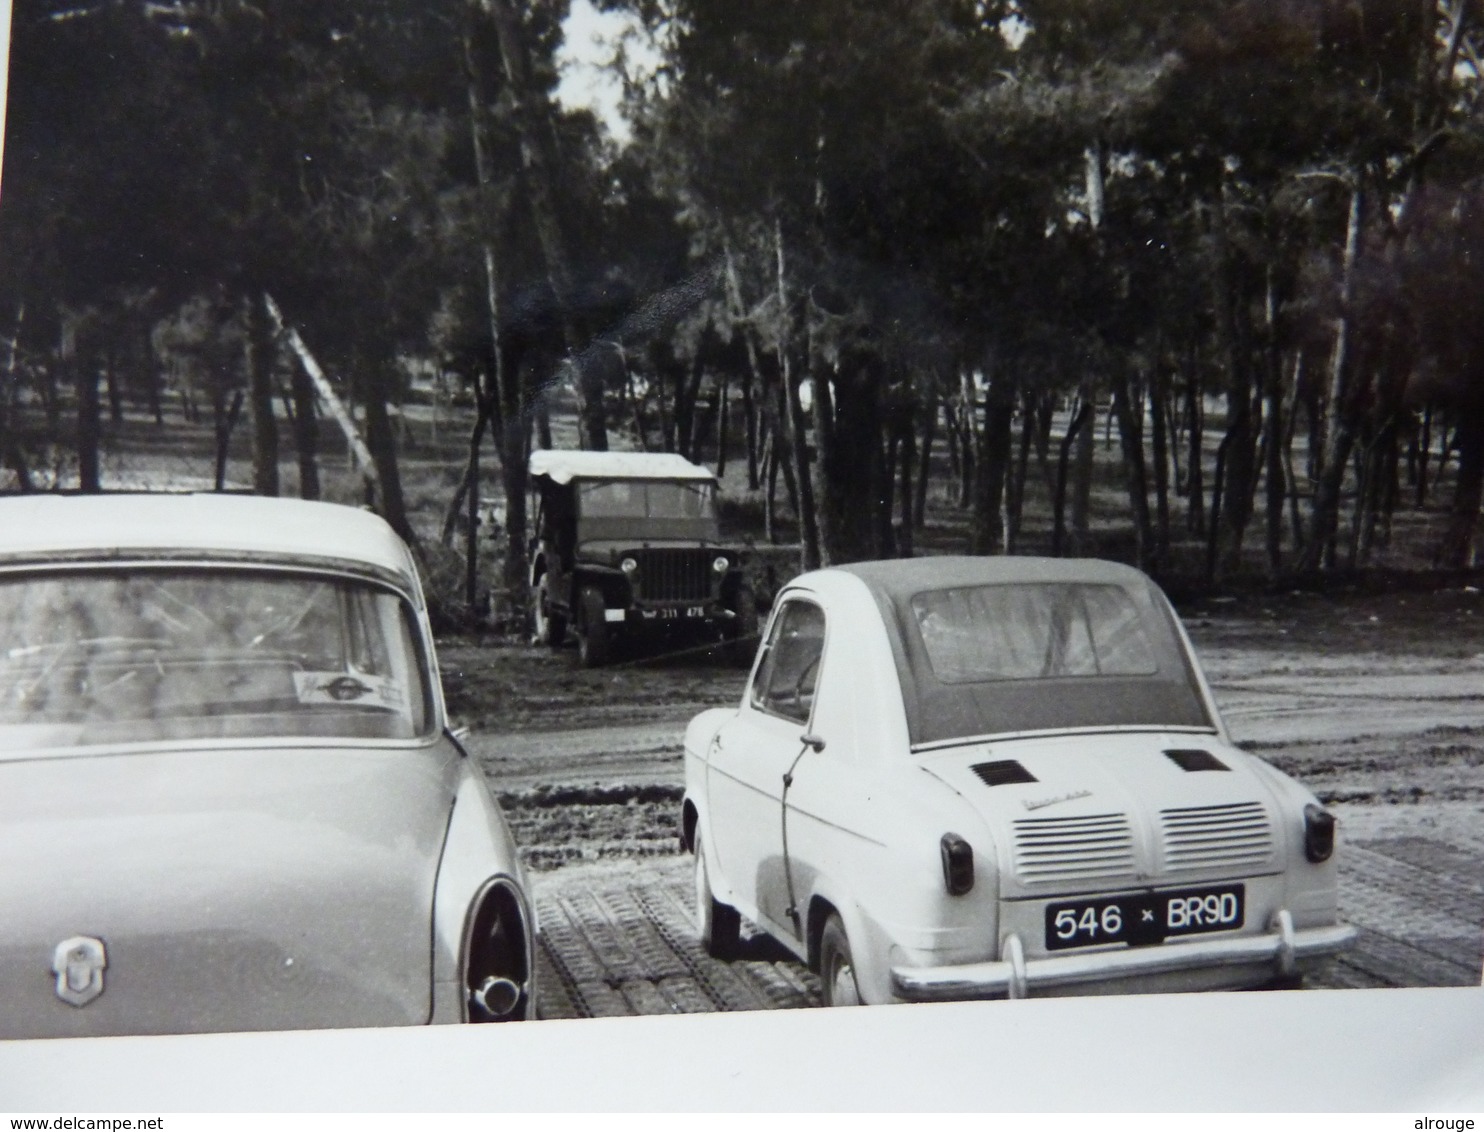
[[1144, 917]]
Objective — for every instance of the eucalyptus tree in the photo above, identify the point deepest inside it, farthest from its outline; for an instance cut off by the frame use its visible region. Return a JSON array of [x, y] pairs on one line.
[[782, 130]]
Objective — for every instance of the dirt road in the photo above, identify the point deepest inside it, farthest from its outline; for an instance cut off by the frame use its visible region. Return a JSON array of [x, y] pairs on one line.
[[1377, 703]]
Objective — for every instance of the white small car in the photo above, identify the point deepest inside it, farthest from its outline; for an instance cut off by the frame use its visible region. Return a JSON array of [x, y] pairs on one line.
[[955, 778]]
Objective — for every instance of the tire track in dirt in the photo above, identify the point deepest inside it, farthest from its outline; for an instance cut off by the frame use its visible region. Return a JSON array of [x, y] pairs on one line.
[[722, 985], [1418, 927], [619, 941]]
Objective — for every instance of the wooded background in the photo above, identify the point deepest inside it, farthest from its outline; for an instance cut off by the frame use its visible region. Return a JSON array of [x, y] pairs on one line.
[[852, 249]]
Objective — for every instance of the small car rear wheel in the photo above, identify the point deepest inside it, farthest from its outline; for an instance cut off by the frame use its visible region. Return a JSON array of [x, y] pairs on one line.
[[836, 968], [718, 926], [551, 626]]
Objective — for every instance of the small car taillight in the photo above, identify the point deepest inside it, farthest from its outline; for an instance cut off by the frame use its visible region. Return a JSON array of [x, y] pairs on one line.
[[1319, 833], [958, 864]]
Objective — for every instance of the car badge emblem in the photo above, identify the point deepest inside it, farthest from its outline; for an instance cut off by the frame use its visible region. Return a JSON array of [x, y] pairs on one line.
[[1042, 803], [78, 964]]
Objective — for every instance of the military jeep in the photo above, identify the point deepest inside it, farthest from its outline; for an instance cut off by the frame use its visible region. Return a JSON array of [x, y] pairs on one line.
[[627, 548]]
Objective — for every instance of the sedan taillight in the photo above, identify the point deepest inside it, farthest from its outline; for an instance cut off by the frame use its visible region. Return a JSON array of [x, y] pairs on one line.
[[1319, 833], [958, 864]]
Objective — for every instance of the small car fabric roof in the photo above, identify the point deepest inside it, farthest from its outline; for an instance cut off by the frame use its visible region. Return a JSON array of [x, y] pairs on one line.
[[938, 711], [564, 465]]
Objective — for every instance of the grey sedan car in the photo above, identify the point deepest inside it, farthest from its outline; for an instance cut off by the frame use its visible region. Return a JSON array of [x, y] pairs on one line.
[[229, 798]]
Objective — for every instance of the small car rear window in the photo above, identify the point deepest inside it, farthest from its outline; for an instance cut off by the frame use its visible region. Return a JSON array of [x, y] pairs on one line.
[[1032, 632]]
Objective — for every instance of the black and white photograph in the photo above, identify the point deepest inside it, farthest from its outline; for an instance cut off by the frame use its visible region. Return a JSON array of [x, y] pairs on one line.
[[517, 511]]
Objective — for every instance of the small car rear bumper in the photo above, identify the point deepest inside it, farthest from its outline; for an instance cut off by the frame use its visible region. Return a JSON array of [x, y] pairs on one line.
[[1282, 948]]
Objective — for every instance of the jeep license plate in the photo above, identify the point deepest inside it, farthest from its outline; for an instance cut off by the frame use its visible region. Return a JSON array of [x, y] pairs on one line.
[[1144, 917]]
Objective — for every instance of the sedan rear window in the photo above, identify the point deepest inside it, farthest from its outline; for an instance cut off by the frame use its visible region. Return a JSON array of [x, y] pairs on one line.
[[1032, 632], [158, 654]]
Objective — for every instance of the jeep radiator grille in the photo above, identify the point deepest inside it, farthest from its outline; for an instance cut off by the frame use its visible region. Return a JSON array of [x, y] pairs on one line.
[[1073, 849], [1208, 837], [674, 573]]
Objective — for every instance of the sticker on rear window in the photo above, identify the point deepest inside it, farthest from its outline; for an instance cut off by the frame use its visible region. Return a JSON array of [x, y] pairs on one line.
[[358, 688]]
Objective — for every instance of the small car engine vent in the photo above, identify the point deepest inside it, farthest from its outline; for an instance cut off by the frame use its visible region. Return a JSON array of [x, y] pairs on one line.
[[1210, 837], [1193, 758], [1073, 848], [674, 573], [1003, 772]]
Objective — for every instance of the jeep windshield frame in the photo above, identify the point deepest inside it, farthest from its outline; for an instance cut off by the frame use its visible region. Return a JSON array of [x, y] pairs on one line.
[[619, 510]]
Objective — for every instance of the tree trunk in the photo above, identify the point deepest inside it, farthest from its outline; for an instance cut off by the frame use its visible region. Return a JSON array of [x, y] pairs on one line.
[[1338, 431], [471, 501], [1159, 438], [11, 450], [769, 462], [752, 375], [1015, 492], [1273, 441], [1195, 462], [925, 455], [987, 524], [886, 540], [1082, 472], [965, 425], [721, 423], [306, 434], [793, 414], [381, 440], [1213, 532], [1232, 326], [111, 383], [224, 420], [89, 410], [262, 360], [854, 489], [1424, 455], [531, 112], [906, 426], [1075, 427], [469, 481], [1290, 415], [1131, 440], [1457, 550]]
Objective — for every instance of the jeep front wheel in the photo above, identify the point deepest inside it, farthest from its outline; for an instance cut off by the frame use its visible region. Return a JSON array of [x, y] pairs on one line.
[[551, 626], [594, 646]]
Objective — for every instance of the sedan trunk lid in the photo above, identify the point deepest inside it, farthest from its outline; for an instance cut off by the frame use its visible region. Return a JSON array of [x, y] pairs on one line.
[[219, 889]]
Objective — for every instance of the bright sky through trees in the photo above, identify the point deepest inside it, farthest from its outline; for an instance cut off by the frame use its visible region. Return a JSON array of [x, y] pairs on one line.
[[593, 40]]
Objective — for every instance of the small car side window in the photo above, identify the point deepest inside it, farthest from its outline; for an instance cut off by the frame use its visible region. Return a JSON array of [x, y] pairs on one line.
[[786, 679]]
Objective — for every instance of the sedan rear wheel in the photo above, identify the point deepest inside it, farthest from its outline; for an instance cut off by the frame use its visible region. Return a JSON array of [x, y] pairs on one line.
[[836, 968], [718, 926]]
